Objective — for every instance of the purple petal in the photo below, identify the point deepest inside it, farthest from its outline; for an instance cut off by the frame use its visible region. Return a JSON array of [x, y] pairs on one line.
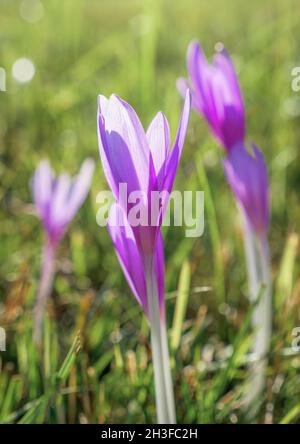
[[103, 147], [229, 102], [158, 137], [248, 178], [42, 185], [102, 105], [80, 187], [59, 202], [201, 74], [216, 95], [123, 146], [183, 86], [128, 254], [197, 65], [160, 273], [174, 157], [223, 63], [228, 125]]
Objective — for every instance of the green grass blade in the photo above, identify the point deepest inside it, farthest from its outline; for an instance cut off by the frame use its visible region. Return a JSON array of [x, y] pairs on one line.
[[285, 277], [65, 369], [181, 304], [291, 415]]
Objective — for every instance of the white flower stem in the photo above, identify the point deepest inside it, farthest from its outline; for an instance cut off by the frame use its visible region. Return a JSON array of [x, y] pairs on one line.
[[164, 394], [44, 290], [258, 266]]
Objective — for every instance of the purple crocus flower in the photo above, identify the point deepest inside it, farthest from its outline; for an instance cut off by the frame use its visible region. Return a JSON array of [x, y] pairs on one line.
[[216, 94], [143, 162], [57, 201], [248, 178]]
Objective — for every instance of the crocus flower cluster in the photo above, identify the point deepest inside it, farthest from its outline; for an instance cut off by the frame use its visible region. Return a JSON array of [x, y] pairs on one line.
[[216, 96], [146, 164], [57, 201]]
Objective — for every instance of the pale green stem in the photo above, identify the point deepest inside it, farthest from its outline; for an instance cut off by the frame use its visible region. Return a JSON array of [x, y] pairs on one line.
[[44, 290], [164, 394], [251, 261], [258, 266]]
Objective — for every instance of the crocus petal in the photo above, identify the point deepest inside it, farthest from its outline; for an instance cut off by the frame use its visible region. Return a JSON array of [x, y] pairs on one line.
[[128, 253], [160, 272], [200, 73], [158, 137], [216, 95], [183, 86], [223, 63], [248, 178], [174, 157], [123, 146], [42, 185], [103, 147], [203, 75], [102, 105], [227, 125], [60, 197], [80, 187], [231, 113], [196, 65]]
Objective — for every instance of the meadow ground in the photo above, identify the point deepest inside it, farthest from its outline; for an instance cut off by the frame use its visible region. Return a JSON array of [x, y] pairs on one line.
[[137, 49]]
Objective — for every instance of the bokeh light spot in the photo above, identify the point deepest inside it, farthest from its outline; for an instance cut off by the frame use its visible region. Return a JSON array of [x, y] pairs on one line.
[[23, 70], [32, 10]]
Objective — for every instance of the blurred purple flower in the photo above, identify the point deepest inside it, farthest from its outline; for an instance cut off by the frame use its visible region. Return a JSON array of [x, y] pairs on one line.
[[57, 200], [216, 94], [248, 178], [144, 162]]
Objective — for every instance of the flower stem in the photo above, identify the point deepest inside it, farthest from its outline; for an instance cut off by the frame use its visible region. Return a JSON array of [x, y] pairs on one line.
[[44, 290], [258, 265], [164, 394]]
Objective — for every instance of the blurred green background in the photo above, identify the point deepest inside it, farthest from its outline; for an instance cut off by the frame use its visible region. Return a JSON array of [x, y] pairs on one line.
[[137, 49]]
